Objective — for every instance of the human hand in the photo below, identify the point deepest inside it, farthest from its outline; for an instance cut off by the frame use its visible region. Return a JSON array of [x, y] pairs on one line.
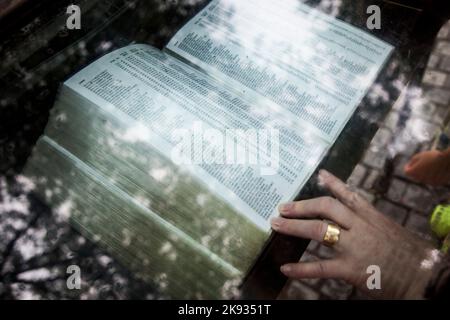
[[430, 167], [367, 238]]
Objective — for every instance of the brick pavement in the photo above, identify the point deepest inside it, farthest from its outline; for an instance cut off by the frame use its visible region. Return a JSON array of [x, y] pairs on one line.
[[409, 128]]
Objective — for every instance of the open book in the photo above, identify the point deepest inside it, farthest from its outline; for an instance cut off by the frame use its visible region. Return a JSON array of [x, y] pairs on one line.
[[175, 160]]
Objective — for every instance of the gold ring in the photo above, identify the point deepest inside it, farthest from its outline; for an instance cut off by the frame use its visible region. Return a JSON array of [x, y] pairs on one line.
[[331, 237]]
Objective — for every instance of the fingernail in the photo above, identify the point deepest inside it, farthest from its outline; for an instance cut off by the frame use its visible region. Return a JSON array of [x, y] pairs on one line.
[[286, 207], [285, 269], [323, 175], [275, 222]]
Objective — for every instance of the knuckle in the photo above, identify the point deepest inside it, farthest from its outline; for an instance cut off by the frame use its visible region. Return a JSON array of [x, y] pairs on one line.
[[321, 270], [354, 198], [319, 230]]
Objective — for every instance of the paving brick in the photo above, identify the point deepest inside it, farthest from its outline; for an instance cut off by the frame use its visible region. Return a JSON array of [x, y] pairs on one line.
[[433, 61], [375, 159], [393, 211], [424, 110], [396, 190], [419, 224], [371, 179], [405, 142], [381, 139], [312, 247], [444, 32], [400, 163], [438, 95], [421, 130], [367, 195], [336, 288], [312, 283], [391, 121], [357, 175], [443, 47], [309, 256], [434, 78], [299, 291], [325, 252], [418, 198], [440, 114], [410, 148], [445, 63], [447, 81]]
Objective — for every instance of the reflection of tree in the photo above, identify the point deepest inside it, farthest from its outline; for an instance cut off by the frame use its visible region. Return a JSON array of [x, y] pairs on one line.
[[36, 245]]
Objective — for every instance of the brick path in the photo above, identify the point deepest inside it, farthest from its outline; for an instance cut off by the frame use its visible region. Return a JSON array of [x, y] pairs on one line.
[[410, 127]]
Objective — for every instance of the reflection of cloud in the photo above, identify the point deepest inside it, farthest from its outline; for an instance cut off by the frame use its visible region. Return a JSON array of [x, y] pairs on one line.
[[33, 245], [201, 199], [430, 261], [168, 251], [136, 133], [64, 210], [27, 184], [162, 281], [378, 94], [332, 7], [159, 173], [37, 274], [126, 241], [221, 223], [24, 292], [230, 289], [410, 122], [420, 130]]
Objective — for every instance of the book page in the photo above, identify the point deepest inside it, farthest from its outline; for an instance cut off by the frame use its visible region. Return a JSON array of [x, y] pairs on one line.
[[316, 67], [205, 128]]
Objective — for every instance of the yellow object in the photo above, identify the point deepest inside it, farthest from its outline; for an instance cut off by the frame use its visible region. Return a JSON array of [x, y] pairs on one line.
[[440, 221], [331, 237]]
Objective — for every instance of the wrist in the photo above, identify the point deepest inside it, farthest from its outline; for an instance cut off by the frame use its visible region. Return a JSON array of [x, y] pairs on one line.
[[423, 276], [419, 284]]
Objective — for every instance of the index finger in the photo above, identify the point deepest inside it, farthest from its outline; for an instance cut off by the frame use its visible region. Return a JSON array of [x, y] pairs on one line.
[[342, 192]]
